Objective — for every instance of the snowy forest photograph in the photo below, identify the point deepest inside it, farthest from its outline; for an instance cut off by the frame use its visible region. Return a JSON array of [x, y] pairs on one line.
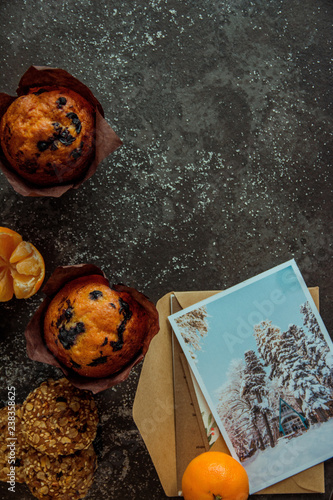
[[264, 361]]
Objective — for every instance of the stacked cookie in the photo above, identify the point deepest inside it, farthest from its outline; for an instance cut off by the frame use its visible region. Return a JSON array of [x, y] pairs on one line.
[[55, 428]]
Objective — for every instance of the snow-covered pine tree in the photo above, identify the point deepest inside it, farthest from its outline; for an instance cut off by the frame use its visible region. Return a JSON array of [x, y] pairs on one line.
[[288, 356], [254, 387], [297, 375], [193, 327], [268, 338], [300, 339], [318, 352], [310, 321]]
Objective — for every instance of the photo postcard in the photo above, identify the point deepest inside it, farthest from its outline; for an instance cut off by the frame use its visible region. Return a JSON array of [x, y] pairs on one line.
[[263, 360]]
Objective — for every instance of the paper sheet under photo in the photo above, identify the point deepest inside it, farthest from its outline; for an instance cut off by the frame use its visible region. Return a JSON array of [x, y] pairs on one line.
[[212, 430], [154, 412]]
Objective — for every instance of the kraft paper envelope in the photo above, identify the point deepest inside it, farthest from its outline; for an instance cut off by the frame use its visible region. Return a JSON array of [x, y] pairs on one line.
[[154, 413]]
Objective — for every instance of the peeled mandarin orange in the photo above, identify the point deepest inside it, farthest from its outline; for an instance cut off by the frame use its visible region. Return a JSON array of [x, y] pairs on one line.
[[214, 475], [22, 267]]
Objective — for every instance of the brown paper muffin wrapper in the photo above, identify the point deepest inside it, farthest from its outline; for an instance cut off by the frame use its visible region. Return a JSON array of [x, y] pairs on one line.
[[38, 351], [106, 140]]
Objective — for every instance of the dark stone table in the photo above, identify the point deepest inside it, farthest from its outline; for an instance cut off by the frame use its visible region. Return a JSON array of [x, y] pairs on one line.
[[225, 112]]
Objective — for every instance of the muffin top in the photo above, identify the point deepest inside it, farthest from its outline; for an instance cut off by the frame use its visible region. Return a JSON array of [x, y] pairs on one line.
[[47, 135], [92, 329]]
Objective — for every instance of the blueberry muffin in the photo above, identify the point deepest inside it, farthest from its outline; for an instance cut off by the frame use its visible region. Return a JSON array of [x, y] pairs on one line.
[[92, 329], [47, 136]]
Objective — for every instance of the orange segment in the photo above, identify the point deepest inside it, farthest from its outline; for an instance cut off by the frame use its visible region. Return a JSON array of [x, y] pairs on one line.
[[22, 267], [23, 250], [8, 243], [24, 286], [27, 259], [6, 285]]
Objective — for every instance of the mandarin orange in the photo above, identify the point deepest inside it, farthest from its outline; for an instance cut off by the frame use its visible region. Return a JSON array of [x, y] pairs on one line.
[[22, 268], [214, 475]]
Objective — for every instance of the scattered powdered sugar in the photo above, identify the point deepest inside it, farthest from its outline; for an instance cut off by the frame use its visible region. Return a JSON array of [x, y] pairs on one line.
[[225, 171]]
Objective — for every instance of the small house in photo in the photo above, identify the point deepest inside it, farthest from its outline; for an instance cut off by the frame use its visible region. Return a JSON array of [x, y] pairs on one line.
[[290, 420]]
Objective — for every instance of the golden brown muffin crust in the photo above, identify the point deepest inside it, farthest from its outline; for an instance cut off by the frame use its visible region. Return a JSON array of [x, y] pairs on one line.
[[92, 329], [47, 136]]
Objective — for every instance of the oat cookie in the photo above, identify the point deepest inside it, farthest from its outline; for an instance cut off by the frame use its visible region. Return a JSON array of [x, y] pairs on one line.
[[12, 454], [66, 477], [58, 418]]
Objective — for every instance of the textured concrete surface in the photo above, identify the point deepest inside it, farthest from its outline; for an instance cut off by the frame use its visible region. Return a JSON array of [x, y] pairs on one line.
[[225, 111]]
